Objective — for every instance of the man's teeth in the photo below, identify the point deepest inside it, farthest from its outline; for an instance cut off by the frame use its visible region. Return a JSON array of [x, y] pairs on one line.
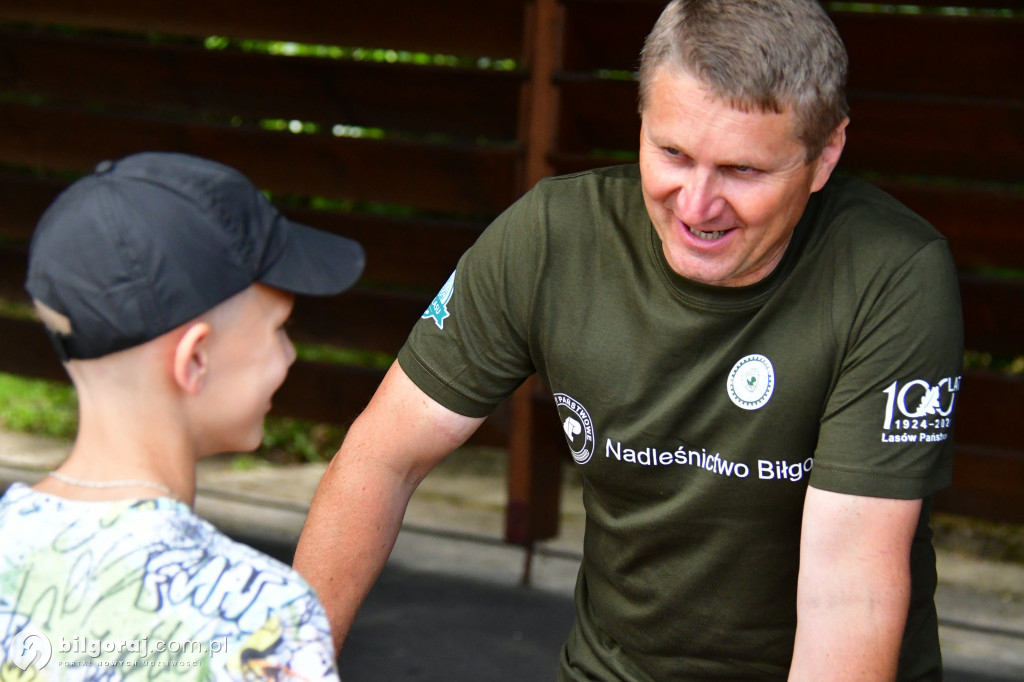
[[706, 235]]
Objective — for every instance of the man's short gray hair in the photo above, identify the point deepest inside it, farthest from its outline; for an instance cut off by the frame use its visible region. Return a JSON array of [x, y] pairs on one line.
[[757, 55]]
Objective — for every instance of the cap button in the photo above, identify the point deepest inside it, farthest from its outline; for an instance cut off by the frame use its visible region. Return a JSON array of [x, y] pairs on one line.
[[104, 166]]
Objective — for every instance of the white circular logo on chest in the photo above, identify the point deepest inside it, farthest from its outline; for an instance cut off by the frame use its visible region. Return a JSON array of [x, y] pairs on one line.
[[578, 427], [751, 382]]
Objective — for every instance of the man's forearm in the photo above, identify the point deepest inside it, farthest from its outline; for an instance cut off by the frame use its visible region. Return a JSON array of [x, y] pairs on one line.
[[359, 506], [850, 636], [853, 592], [352, 525]]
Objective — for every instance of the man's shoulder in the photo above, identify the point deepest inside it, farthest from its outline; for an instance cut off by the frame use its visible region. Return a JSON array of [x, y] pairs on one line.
[[871, 230], [868, 214], [562, 210], [620, 180], [590, 200]]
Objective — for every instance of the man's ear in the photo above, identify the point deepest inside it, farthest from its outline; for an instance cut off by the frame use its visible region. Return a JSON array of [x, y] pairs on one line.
[[191, 358], [830, 155]]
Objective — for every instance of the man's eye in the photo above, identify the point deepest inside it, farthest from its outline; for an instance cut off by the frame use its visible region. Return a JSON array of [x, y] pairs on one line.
[[671, 151]]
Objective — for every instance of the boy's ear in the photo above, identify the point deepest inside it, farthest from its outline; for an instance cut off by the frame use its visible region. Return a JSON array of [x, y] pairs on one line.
[[191, 358]]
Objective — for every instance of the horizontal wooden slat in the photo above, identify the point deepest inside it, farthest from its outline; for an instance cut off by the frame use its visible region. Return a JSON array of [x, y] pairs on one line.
[[463, 27], [607, 35], [22, 201], [981, 140], [27, 351], [1015, 5], [13, 266], [337, 394], [191, 81], [406, 251], [934, 55], [988, 410], [985, 227], [327, 393], [567, 162], [597, 114], [374, 320], [993, 314], [459, 178], [921, 53], [988, 466], [986, 484]]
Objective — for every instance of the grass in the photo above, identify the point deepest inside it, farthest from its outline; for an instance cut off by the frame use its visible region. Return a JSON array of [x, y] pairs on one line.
[[50, 408], [287, 440], [979, 538], [43, 407]]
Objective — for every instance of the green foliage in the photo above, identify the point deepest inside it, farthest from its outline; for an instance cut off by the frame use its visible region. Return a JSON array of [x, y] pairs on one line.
[[618, 74], [248, 462], [950, 10], [359, 54], [35, 406], [343, 356], [994, 363], [17, 309], [1011, 273], [300, 440], [980, 538]]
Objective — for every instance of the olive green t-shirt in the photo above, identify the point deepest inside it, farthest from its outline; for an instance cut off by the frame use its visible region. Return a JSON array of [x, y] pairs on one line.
[[697, 415]]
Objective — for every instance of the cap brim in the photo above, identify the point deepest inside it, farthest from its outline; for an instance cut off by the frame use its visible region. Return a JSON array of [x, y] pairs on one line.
[[314, 262]]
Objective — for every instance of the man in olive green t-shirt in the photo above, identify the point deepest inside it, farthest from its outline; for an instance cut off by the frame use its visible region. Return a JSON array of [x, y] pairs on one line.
[[755, 365]]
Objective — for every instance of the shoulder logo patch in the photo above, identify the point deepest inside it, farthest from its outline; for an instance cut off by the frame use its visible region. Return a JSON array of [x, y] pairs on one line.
[[578, 427], [438, 308], [918, 412], [751, 382]]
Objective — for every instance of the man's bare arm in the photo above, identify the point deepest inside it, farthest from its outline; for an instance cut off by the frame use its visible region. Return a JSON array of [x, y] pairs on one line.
[[358, 508], [853, 592]]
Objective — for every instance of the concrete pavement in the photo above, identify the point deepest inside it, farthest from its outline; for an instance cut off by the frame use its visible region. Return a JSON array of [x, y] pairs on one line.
[[450, 605]]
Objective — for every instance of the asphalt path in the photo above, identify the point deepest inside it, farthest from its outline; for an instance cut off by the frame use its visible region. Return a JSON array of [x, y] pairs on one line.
[[422, 626]]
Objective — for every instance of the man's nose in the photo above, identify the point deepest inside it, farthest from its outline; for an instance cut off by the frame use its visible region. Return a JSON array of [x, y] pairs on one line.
[[699, 200]]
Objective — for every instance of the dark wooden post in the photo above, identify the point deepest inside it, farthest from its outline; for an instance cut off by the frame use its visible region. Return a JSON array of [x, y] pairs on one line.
[[534, 476]]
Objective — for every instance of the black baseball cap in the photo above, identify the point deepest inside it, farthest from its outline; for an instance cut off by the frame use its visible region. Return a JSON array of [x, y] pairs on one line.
[[149, 242]]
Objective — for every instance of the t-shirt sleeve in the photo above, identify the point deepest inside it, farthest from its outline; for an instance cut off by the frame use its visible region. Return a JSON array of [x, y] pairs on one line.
[[471, 347], [887, 428]]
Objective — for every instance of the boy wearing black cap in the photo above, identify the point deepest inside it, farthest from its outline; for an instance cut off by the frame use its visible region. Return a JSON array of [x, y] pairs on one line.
[[164, 281]]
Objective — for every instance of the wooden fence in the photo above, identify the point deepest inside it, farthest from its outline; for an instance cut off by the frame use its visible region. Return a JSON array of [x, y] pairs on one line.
[[409, 125]]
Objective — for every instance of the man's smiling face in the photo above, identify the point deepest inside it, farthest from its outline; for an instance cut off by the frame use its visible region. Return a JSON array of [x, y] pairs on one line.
[[723, 187]]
